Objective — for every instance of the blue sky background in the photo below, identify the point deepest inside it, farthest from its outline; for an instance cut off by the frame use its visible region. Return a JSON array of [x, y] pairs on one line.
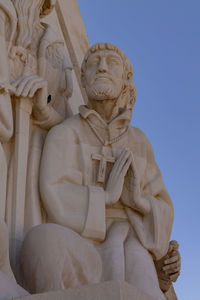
[[162, 40]]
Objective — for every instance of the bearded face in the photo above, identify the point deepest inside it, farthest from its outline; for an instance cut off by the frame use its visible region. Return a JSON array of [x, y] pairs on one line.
[[104, 75]]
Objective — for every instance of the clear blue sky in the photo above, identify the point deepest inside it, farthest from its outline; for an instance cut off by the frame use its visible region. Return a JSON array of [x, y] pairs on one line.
[[162, 40]]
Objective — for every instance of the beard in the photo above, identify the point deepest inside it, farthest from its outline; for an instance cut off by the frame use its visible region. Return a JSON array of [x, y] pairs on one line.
[[100, 92], [28, 12]]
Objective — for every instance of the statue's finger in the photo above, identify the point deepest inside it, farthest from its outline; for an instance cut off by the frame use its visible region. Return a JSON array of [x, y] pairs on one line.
[[124, 156], [172, 270], [174, 276], [29, 85], [127, 165], [172, 259], [36, 86], [171, 266], [121, 160], [174, 245], [22, 84], [15, 82]]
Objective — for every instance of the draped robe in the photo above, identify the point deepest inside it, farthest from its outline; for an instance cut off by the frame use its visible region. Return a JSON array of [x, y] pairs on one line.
[[72, 196], [127, 236]]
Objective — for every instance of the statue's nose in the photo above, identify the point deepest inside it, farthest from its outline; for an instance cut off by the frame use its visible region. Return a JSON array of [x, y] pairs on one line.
[[102, 65]]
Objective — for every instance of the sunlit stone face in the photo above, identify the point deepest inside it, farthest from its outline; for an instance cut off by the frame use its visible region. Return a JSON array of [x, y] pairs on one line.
[[104, 75]]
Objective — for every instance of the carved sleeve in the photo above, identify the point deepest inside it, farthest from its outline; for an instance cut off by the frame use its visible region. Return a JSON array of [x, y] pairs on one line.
[[153, 228], [67, 201]]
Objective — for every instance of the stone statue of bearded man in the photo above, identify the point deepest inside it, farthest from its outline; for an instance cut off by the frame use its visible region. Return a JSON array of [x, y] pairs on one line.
[[102, 189]]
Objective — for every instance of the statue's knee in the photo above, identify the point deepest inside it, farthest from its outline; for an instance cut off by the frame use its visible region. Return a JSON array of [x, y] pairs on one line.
[[39, 252], [40, 239]]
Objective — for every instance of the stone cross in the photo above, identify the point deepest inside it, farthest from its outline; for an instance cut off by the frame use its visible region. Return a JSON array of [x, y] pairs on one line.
[[103, 159]]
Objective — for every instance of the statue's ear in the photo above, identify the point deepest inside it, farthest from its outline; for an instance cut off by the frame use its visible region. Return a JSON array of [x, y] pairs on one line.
[[131, 103], [127, 79]]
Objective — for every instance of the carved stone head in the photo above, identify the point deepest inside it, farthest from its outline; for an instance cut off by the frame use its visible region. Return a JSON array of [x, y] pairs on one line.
[[107, 74]]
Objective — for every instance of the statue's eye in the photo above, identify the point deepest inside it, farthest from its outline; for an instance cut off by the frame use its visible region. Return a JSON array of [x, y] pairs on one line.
[[113, 61], [93, 61]]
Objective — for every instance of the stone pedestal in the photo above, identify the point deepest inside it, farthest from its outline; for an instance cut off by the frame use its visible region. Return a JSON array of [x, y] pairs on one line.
[[112, 290]]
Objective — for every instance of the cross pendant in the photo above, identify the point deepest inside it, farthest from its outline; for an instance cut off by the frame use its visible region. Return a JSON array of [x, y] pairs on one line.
[[103, 159]]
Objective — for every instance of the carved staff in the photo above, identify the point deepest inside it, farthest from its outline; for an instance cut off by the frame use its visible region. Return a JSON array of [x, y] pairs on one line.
[[24, 106], [21, 149]]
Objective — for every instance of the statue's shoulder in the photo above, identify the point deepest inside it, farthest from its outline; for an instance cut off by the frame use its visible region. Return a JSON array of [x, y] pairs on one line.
[[68, 126], [72, 121], [138, 135]]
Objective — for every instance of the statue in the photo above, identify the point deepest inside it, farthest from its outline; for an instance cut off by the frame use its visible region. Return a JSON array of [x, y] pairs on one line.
[[33, 59], [102, 189], [31, 55]]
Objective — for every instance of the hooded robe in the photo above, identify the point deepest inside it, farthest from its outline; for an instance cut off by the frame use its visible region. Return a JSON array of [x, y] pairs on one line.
[[138, 226], [68, 180]]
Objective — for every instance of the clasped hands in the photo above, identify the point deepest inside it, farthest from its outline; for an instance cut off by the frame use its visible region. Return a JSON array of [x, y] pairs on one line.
[[115, 182]]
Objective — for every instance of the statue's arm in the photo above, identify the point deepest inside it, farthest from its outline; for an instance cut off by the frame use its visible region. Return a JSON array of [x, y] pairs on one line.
[[154, 225], [152, 184], [35, 87], [139, 190], [66, 200], [154, 191], [66, 82], [47, 116]]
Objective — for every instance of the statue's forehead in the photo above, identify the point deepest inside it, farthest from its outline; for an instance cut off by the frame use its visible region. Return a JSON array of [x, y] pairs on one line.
[[104, 53]]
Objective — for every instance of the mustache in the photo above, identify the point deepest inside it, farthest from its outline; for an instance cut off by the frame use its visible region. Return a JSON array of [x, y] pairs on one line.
[[103, 76]]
